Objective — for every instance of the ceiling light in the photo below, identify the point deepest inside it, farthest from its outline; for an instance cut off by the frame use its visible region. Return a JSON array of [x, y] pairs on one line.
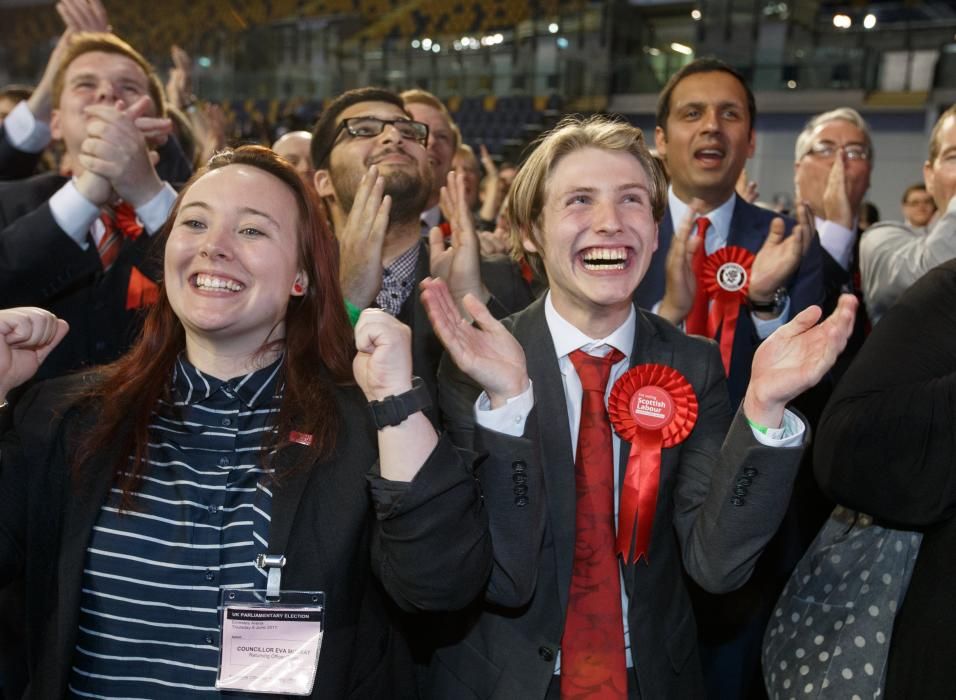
[[841, 21]]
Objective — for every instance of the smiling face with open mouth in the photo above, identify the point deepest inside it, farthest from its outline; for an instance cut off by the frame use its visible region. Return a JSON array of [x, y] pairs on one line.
[[597, 234], [708, 137], [231, 260]]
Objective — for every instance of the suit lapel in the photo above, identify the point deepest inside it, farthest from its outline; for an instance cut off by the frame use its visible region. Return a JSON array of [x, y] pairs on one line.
[[287, 491], [557, 454], [85, 497], [744, 228]]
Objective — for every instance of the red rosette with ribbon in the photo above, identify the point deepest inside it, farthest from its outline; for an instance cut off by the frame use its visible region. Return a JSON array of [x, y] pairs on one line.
[[127, 222], [726, 279], [652, 407]]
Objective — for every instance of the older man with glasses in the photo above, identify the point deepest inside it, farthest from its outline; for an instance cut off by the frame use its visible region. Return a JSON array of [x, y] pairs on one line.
[[373, 173], [832, 165]]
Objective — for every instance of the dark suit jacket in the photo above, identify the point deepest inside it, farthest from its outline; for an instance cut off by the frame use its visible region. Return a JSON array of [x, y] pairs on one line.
[[14, 163], [40, 265], [748, 229], [702, 525], [885, 446], [429, 549]]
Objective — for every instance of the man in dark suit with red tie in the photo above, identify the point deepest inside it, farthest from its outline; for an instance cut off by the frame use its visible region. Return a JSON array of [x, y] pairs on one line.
[[705, 134], [643, 471], [80, 246]]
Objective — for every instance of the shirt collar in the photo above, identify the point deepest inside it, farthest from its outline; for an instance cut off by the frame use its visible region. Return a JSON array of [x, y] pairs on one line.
[[432, 217], [568, 338], [404, 265], [719, 218], [191, 386]]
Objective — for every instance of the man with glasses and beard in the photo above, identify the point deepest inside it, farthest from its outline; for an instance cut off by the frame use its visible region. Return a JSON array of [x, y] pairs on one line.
[[372, 171]]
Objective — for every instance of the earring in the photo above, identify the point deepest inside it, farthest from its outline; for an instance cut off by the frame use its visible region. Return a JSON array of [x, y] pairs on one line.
[[297, 288]]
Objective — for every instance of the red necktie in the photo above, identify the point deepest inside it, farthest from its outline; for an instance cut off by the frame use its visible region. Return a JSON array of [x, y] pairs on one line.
[[109, 245], [696, 322], [592, 649]]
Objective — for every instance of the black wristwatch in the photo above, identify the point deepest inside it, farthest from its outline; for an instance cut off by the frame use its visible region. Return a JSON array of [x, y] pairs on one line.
[[393, 410], [774, 306]]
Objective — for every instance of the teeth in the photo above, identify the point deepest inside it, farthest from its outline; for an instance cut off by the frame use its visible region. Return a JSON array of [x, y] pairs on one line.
[[217, 283], [605, 258]]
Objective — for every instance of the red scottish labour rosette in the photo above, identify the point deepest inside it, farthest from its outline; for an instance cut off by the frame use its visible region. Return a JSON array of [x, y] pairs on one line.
[[652, 407], [726, 279]]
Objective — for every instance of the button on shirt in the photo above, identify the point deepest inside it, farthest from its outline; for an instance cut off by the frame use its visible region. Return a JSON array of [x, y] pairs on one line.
[[151, 584]]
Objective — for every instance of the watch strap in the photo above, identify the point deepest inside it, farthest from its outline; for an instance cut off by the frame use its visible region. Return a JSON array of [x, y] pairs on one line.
[[775, 304], [394, 410]]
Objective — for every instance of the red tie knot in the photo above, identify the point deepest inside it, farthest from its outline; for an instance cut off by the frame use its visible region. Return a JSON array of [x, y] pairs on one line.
[[593, 370], [702, 224]]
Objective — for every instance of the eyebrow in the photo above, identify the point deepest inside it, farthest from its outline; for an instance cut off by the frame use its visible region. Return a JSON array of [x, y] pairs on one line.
[[87, 75], [620, 188], [242, 210], [701, 104], [844, 145], [380, 117]]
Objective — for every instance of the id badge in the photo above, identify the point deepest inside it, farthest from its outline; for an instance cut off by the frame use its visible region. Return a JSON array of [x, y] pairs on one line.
[[270, 644]]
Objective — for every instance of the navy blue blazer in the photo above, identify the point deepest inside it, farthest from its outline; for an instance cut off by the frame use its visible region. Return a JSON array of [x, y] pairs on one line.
[[748, 229]]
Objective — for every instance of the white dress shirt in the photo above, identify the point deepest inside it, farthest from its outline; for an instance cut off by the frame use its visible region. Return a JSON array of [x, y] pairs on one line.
[[837, 240]]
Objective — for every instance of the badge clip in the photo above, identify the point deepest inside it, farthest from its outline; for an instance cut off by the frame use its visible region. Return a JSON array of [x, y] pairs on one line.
[[273, 564]]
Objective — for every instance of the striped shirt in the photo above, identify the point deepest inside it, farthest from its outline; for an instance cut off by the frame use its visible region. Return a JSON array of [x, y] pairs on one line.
[[149, 623]]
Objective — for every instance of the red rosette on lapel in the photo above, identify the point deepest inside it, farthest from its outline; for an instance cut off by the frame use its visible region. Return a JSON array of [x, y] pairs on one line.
[[726, 279], [652, 407], [141, 290], [127, 222]]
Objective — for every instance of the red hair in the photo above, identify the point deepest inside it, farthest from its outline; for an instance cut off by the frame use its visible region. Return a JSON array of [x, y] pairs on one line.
[[319, 344]]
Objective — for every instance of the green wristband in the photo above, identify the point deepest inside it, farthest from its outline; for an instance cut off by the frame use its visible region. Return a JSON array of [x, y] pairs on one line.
[[759, 428], [353, 311]]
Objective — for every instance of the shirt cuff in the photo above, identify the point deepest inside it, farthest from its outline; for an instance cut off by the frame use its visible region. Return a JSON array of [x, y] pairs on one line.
[[23, 131], [765, 326], [154, 213], [789, 435], [508, 419], [73, 213], [837, 241]]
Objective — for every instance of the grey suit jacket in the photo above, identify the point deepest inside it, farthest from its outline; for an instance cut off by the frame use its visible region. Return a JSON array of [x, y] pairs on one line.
[[893, 257], [722, 495]]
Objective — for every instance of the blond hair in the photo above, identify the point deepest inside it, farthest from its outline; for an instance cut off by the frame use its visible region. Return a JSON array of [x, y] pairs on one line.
[[527, 194], [417, 96], [86, 42]]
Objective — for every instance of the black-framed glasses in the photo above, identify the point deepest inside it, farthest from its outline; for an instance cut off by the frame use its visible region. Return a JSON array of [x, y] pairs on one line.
[[368, 127], [828, 149]]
